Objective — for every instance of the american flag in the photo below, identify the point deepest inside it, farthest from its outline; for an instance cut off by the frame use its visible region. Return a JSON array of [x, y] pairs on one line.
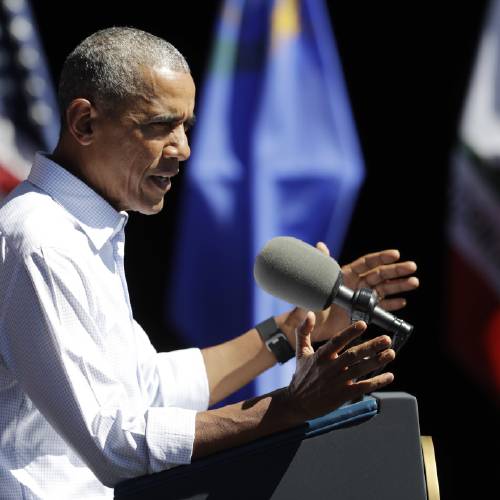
[[29, 118]]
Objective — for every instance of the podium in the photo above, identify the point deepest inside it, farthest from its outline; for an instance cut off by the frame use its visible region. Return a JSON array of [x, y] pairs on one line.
[[366, 450]]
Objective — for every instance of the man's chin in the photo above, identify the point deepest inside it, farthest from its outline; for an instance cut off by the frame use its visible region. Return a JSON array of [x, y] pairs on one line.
[[150, 209]]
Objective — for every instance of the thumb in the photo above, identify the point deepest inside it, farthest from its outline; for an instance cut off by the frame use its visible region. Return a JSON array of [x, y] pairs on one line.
[[303, 336]]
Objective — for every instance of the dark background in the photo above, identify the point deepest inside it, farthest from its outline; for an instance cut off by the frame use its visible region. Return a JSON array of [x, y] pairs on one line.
[[407, 66]]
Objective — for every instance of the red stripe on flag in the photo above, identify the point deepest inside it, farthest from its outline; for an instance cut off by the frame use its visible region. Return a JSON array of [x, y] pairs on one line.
[[7, 181], [493, 347], [474, 322]]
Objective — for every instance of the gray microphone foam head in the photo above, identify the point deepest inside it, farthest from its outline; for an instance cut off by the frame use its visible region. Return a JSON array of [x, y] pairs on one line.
[[296, 272]]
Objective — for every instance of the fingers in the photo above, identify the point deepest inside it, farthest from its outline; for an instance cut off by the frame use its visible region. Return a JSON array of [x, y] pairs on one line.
[[381, 272], [392, 304], [368, 365], [323, 248], [389, 272], [303, 336], [397, 286], [394, 287], [373, 384], [294, 319], [380, 266], [325, 380], [372, 260], [373, 354], [342, 339]]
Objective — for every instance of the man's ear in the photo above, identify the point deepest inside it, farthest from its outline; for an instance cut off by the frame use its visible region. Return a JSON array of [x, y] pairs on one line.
[[80, 115]]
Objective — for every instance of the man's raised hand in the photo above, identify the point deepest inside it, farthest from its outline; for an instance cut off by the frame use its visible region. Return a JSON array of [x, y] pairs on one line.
[[327, 378], [380, 271]]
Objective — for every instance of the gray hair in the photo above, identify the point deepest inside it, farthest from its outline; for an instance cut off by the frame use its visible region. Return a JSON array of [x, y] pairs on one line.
[[106, 67]]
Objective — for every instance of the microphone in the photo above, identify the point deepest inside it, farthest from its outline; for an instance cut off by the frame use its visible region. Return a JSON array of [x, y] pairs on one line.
[[300, 274]]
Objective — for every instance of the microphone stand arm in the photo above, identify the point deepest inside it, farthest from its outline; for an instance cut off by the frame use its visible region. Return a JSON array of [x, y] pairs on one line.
[[363, 305]]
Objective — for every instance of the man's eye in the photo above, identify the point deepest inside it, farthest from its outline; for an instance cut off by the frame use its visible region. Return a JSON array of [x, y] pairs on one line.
[[159, 128], [164, 127], [161, 125]]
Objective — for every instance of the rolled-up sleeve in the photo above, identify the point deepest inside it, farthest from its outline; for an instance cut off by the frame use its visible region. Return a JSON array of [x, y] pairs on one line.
[[51, 340], [169, 433], [176, 378]]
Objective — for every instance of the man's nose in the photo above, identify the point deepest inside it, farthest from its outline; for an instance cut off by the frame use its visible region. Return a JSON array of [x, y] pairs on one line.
[[178, 144]]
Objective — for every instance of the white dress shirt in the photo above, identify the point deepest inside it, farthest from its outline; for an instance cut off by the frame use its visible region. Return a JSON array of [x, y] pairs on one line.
[[85, 400]]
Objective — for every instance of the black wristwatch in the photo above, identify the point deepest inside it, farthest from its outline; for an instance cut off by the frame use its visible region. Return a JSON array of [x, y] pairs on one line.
[[275, 340]]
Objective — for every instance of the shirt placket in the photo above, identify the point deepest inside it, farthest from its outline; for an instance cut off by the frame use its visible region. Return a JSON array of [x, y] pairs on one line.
[[119, 255]]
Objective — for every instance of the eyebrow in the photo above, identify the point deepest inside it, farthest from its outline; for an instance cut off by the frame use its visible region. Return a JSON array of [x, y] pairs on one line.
[[173, 119]]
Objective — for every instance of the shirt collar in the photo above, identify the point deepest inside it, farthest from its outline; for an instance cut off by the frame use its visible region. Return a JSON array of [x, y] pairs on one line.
[[97, 218]]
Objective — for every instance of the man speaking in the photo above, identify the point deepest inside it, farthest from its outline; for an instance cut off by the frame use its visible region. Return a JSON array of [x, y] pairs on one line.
[[85, 400]]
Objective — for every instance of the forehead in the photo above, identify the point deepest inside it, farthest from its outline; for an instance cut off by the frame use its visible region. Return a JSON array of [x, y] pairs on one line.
[[165, 92]]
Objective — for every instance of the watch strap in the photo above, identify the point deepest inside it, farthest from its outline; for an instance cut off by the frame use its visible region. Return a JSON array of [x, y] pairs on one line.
[[275, 340]]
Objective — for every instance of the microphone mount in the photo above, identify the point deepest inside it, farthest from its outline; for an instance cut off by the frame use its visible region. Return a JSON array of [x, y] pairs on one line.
[[363, 305]]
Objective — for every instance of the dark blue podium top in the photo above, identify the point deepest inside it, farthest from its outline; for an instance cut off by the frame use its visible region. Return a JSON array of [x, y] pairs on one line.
[[168, 481]]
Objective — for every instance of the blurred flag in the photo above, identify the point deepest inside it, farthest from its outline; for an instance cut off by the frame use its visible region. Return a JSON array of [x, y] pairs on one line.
[[474, 322], [275, 153], [29, 119]]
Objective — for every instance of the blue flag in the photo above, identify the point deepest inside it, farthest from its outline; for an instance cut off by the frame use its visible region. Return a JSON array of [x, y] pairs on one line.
[[275, 152], [29, 118]]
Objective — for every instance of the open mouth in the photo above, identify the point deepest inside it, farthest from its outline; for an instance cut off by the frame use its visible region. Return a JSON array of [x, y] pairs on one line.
[[162, 182]]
